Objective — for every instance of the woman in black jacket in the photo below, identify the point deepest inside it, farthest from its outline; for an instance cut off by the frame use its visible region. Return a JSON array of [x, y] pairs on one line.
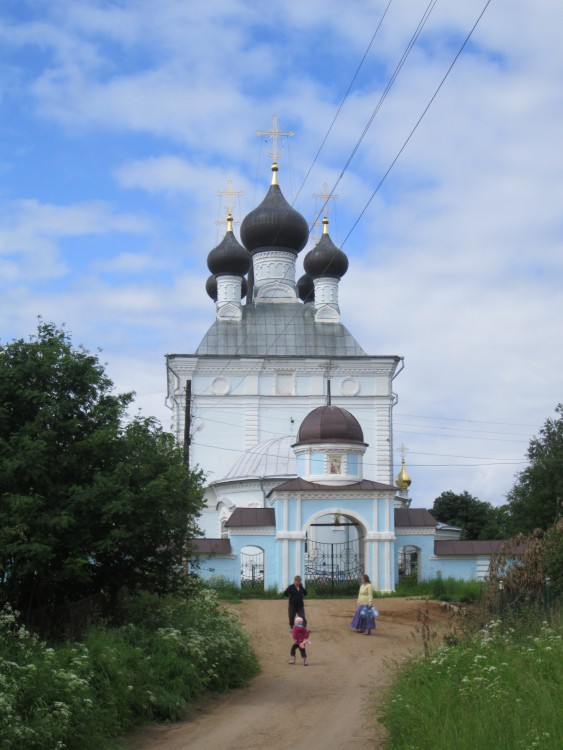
[[296, 606]]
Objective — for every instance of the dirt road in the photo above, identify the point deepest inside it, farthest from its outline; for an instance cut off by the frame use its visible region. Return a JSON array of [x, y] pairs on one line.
[[328, 705]]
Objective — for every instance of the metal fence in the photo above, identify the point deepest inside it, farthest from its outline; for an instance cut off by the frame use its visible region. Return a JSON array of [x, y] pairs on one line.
[[252, 571], [333, 566]]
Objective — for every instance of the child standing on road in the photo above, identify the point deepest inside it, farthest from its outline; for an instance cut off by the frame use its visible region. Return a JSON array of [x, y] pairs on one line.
[[299, 635]]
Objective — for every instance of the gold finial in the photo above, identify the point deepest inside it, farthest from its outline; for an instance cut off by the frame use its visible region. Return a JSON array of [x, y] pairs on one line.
[[403, 480], [230, 221], [274, 174], [274, 134], [325, 225]]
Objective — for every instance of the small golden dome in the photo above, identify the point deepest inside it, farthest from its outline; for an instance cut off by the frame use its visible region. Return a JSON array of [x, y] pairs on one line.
[[403, 481]]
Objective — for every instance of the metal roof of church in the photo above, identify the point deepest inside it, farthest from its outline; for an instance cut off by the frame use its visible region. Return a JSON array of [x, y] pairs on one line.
[[213, 546], [252, 517], [413, 517], [272, 458], [466, 547], [281, 329], [302, 484]]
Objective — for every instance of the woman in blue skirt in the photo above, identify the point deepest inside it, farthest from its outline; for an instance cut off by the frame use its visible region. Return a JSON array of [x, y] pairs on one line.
[[364, 619]]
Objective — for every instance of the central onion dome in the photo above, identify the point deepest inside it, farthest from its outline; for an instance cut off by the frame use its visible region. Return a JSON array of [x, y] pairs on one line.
[[229, 258], [330, 424], [325, 260], [274, 224]]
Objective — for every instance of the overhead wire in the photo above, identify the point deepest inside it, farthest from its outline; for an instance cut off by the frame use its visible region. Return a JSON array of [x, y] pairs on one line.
[[399, 66], [345, 97], [421, 24], [433, 97], [404, 56]]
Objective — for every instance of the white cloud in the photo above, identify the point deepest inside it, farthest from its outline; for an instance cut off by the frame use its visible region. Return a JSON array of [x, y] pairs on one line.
[[461, 248]]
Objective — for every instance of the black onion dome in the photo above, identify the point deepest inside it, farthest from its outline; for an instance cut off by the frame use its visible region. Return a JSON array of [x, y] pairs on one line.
[[211, 287], [306, 288], [326, 260], [274, 223], [330, 424], [229, 257]]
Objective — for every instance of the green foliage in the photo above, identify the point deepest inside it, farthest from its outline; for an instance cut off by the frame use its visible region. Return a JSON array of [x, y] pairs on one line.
[[494, 674], [553, 551], [522, 566], [80, 696], [227, 590], [89, 504], [442, 589], [536, 500], [477, 519]]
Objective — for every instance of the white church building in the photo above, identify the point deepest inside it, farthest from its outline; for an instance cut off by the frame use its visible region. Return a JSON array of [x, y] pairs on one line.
[[292, 423]]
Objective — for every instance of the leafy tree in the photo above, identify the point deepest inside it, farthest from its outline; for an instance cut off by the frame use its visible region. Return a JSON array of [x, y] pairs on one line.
[[525, 563], [89, 503], [476, 518], [536, 499]]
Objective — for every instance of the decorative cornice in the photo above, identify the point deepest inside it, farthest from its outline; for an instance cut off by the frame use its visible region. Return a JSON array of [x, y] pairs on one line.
[[252, 531], [418, 530]]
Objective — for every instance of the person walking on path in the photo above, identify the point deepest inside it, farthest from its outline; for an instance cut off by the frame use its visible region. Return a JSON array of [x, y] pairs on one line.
[[299, 635], [296, 605], [364, 619]]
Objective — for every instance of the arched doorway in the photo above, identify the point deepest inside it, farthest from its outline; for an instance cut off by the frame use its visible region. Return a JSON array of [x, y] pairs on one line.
[[334, 554], [252, 569], [409, 562]]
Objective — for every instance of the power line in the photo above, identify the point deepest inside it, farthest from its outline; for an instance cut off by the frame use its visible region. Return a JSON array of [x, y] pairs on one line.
[[467, 38], [343, 100], [410, 45]]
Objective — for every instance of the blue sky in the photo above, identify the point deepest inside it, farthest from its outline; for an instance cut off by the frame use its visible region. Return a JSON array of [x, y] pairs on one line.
[[121, 121]]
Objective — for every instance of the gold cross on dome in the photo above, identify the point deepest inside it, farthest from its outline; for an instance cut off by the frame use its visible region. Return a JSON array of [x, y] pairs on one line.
[[229, 207], [326, 195], [274, 134]]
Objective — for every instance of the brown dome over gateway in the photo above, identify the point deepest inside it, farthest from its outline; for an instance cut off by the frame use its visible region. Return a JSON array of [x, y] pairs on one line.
[[330, 424]]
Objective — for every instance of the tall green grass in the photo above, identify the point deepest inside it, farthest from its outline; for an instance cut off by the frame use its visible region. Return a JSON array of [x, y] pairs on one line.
[[501, 688], [82, 696], [443, 589], [227, 590]]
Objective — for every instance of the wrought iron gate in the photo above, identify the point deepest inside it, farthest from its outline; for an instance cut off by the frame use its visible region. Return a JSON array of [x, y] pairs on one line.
[[334, 565], [252, 571]]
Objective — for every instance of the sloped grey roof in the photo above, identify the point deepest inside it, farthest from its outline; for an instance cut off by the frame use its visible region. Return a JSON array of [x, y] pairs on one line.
[[212, 546], [299, 484], [467, 547], [405, 517], [252, 517], [284, 329]]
